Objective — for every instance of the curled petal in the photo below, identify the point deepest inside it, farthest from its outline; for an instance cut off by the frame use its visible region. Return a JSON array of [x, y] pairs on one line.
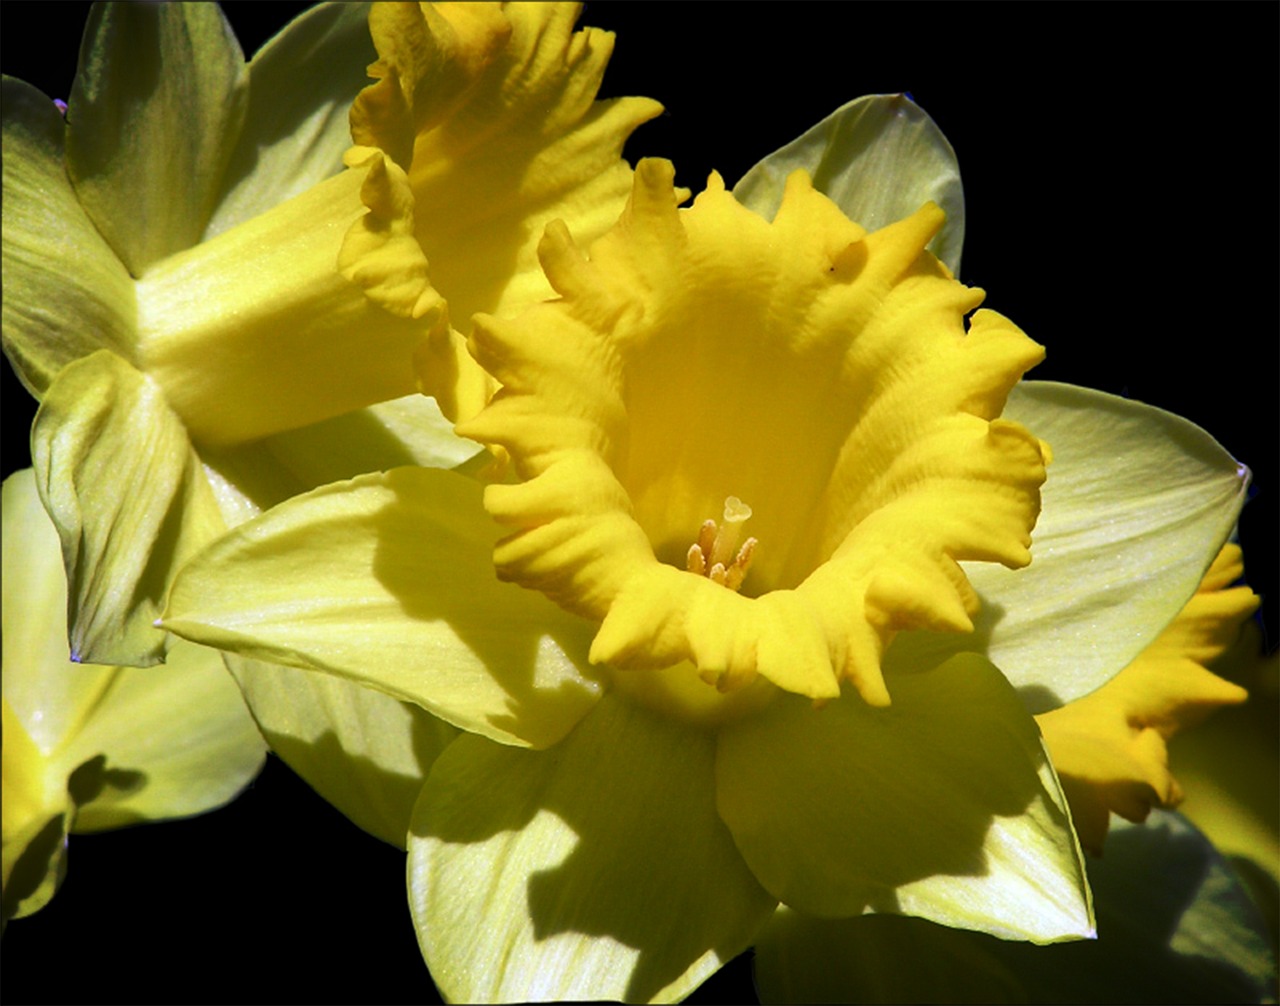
[[481, 128]]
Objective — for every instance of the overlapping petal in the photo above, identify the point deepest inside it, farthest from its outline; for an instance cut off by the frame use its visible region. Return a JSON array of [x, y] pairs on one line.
[[1174, 924], [364, 751], [684, 363], [1110, 745], [879, 158], [597, 870], [942, 806], [387, 580], [90, 747], [66, 292], [147, 69], [296, 124], [482, 127], [128, 497], [1136, 505]]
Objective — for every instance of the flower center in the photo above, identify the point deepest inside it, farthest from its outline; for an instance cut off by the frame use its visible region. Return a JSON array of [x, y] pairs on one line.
[[709, 556]]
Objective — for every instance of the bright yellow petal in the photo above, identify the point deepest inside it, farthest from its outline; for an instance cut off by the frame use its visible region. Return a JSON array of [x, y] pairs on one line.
[[255, 331], [821, 375], [1110, 746], [483, 127]]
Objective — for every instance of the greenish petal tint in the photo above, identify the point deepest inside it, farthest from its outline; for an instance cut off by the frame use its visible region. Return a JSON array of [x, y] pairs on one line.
[[301, 85], [596, 870], [1174, 925], [388, 580], [126, 492], [365, 752], [404, 431], [66, 293], [942, 805], [158, 102], [1137, 504], [250, 478], [879, 158]]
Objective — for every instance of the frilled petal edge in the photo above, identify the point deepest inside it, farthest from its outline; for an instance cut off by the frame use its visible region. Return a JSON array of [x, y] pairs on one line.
[[1136, 505], [679, 369]]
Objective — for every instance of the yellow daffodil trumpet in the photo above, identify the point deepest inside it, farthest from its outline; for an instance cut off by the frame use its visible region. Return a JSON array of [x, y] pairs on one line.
[[699, 358]]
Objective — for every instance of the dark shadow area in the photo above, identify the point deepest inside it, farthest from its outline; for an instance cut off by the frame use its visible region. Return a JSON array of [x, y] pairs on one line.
[[274, 898], [1145, 888]]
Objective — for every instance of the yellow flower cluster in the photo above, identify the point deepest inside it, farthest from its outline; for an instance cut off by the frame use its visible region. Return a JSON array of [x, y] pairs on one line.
[[676, 568]]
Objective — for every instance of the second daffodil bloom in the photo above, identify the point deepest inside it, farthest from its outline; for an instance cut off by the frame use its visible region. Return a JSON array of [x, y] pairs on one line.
[[745, 455], [201, 295], [191, 277]]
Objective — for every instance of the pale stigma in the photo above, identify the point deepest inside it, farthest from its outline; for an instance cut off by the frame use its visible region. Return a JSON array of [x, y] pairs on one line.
[[712, 555]]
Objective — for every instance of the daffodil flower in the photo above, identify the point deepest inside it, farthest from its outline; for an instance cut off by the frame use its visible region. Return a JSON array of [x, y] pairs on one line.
[[107, 314], [88, 748], [746, 457], [197, 270], [228, 303]]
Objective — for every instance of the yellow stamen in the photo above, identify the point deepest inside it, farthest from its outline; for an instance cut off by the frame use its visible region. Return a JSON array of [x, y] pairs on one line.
[[710, 555]]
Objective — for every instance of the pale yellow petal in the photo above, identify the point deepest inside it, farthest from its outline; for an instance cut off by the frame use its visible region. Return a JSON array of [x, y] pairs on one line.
[[364, 751], [387, 580], [942, 806], [122, 482], [1110, 746], [598, 870]]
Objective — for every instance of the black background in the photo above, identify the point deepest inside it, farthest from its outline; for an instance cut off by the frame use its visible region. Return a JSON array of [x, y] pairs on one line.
[[1120, 168]]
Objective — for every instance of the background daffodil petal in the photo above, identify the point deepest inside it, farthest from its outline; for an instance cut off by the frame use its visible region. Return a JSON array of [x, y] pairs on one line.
[[66, 292], [364, 751], [388, 580], [942, 805], [879, 158], [592, 871], [178, 741], [1174, 925], [1136, 506], [126, 492], [93, 747], [148, 123], [36, 817], [301, 84]]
